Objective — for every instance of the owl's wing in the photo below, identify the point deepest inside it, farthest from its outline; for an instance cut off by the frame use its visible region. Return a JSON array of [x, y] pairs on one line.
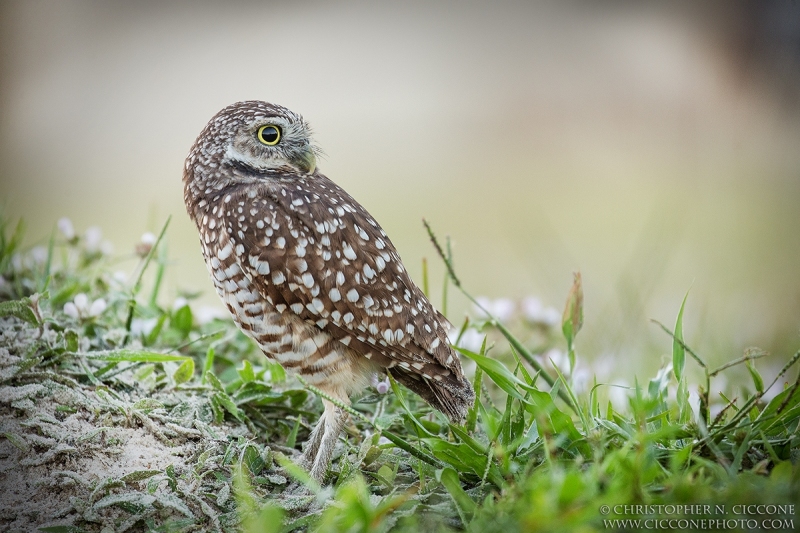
[[321, 255]]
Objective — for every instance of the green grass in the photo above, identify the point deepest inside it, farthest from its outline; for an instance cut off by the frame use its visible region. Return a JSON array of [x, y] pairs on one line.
[[534, 455]]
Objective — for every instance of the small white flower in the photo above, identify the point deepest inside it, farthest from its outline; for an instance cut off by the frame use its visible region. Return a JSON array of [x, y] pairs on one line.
[[383, 386], [81, 302], [502, 308], [38, 255], [66, 228], [535, 312], [97, 307], [581, 378], [206, 313], [29, 260], [531, 307], [143, 326], [471, 340], [71, 310], [618, 395], [81, 308], [605, 366], [120, 277], [180, 301], [557, 358], [145, 244], [92, 239]]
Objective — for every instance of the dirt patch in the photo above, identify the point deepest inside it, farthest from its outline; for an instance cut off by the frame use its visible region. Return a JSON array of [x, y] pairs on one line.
[[77, 454]]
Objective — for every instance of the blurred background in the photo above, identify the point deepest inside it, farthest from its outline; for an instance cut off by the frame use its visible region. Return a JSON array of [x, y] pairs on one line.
[[655, 148]]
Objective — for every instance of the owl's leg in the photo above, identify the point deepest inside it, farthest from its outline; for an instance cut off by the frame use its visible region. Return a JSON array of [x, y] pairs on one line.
[[312, 444], [322, 442]]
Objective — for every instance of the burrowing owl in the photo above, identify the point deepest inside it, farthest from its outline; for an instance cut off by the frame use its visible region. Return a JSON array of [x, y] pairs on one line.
[[306, 271]]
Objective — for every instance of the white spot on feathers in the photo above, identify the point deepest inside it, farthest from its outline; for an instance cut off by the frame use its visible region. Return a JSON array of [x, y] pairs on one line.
[[368, 272], [348, 251], [225, 252]]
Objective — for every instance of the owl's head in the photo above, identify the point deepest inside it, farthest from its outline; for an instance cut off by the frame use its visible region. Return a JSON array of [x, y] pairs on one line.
[[250, 140]]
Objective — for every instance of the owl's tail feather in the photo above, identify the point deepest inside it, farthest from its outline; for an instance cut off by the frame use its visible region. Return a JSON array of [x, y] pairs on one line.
[[452, 395]]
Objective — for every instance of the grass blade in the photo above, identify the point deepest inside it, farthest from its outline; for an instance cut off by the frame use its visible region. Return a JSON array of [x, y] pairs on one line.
[[678, 350]]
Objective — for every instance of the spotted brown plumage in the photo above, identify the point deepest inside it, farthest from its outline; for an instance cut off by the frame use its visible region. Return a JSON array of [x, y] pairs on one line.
[[306, 271]]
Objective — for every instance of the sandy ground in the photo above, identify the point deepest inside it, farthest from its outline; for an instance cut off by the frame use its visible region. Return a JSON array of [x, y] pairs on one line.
[[72, 453]]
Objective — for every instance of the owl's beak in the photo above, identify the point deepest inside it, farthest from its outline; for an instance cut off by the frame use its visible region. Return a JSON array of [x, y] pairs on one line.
[[306, 160]]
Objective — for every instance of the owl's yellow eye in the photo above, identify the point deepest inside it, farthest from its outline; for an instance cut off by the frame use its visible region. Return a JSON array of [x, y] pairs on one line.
[[269, 134]]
